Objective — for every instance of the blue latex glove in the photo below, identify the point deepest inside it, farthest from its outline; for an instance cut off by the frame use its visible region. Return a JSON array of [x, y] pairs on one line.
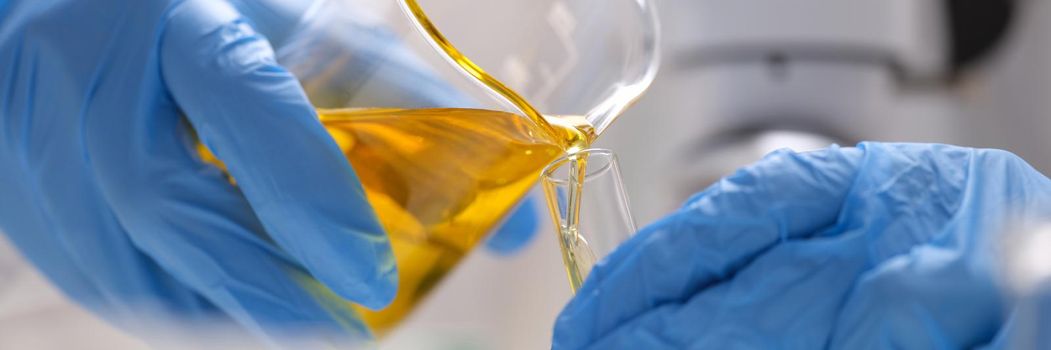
[[100, 186], [879, 246]]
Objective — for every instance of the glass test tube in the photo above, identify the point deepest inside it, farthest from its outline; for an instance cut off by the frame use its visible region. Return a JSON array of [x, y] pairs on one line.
[[590, 223]]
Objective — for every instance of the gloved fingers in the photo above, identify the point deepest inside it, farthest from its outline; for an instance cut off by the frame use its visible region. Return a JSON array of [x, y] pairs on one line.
[[930, 298], [205, 233], [127, 280], [40, 245], [517, 231], [1028, 325], [660, 328], [253, 114], [24, 218], [786, 298], [201, 231], [786, 195], [84, 229], [1016, 333], [905, 194], [54, 209], [902, 195], [915, 297], [188, 219]]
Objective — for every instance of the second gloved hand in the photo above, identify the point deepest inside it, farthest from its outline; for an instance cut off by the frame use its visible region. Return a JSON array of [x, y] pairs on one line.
[[879, 246]]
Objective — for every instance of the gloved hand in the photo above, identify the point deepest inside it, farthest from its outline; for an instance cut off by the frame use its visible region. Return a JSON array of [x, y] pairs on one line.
[[879, 246], [100, 186]]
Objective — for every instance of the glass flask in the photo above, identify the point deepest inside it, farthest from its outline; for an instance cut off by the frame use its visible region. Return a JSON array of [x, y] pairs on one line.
[[441, 158]]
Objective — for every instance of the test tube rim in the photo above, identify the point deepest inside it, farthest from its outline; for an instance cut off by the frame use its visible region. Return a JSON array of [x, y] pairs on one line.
[[549, 170]]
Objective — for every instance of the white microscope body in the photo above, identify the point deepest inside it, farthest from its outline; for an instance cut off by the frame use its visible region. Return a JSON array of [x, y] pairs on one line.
[[743, 78]]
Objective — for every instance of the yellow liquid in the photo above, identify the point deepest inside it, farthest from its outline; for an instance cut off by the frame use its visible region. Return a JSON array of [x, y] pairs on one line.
[[576, 254], [577, 258], [439, 180], [468, 66]]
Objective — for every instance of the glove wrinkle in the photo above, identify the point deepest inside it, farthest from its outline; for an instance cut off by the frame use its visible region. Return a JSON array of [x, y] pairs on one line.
[[879, 246]]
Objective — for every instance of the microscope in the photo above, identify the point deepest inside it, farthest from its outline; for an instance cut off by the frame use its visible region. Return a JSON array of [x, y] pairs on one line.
[[746, 77]]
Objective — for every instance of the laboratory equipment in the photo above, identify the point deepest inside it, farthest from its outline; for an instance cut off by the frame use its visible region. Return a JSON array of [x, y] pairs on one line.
[[556, 59], [744, 78], [591, 215], [630, 29], [439, 179]]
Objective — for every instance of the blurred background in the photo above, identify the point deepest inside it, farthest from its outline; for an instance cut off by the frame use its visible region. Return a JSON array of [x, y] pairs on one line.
[[738, 79]]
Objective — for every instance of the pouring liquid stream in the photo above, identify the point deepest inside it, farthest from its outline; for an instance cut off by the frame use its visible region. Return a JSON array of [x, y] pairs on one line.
[[440, 179], [575, 133]]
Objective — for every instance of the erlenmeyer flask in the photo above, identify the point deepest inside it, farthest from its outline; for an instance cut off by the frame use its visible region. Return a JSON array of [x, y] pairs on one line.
[[441, 162]]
